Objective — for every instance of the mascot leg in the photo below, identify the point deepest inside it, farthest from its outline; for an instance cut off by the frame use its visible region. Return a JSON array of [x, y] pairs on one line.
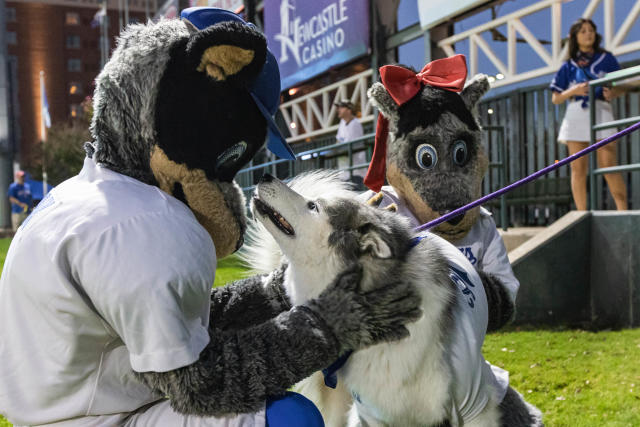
[[293, 409], [516, 412]]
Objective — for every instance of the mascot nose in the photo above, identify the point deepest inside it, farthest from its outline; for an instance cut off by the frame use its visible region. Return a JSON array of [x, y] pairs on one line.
[[455, 220], [267, 177]]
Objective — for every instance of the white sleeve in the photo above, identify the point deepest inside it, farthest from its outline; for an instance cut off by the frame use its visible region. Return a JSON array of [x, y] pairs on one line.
[[495, 260], [357, 129], [150, 279], [341, 131]]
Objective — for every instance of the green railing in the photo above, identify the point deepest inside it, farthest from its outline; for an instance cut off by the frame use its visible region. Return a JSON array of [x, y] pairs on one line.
[[314, 157], [501, 165], [611, 78]]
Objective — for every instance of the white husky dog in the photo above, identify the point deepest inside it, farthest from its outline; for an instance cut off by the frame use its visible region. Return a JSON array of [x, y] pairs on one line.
[[435, 377]]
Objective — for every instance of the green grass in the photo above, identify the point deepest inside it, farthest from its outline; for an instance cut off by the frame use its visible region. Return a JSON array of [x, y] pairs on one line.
[[228, 270], [577, 378], [4, 247]]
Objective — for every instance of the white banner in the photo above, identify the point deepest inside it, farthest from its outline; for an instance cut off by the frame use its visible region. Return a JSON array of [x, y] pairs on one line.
[[434, 12]]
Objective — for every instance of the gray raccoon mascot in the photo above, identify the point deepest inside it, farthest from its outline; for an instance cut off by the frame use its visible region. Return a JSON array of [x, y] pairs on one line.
[[106, 307], [428, 148]]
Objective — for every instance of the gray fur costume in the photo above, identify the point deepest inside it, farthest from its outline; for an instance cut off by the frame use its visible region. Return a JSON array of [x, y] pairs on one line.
[[172, 110]]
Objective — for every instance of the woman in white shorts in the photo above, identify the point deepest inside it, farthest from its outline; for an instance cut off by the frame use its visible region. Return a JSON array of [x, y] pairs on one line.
[[587, 61]]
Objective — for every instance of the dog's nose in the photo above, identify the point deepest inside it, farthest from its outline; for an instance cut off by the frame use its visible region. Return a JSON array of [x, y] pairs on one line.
[[267, 177]]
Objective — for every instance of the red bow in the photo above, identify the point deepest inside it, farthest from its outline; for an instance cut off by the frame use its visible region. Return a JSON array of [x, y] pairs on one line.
[[402, 84]]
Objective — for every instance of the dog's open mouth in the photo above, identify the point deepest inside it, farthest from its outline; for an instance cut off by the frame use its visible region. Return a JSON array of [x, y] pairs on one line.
[[274, 216]]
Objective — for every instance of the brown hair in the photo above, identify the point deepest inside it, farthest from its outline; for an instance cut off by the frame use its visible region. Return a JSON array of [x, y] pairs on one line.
[[573, 37]]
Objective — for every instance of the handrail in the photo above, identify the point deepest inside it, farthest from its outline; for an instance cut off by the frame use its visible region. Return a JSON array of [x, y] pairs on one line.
[[594, 127], [617, 75]]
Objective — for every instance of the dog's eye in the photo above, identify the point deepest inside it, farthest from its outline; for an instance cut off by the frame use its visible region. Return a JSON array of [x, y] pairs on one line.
[[426, 156], [312, 206], [231, 154], [460, 152]]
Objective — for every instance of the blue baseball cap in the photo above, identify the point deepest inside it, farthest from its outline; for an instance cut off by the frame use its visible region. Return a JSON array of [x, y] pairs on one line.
[[265, 90]]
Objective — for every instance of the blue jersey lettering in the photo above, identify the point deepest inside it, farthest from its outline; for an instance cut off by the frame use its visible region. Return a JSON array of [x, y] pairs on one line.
[[461, 279]]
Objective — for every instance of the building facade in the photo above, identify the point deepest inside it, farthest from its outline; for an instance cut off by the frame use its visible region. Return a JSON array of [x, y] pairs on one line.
[[62, 38]]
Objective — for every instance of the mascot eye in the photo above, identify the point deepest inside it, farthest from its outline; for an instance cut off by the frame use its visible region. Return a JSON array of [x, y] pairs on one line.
[[231, 154], [312, 206], [460, 152], [426, 156]]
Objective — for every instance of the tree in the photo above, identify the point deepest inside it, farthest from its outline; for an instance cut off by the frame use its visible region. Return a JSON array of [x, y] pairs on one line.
[[63, 150]]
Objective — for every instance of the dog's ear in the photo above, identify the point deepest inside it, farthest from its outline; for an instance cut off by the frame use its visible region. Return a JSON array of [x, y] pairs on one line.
[[372, 243], [381, 99], [474, 90]]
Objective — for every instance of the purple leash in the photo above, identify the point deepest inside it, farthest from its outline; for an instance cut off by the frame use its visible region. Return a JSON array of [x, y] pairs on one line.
[[529, 178]]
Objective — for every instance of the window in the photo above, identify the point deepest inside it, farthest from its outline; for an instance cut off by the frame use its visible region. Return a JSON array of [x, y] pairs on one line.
[[75, 88], [11, 14], [73, 42], [75, 111], [72, 18], [11, 37], [74, 65]]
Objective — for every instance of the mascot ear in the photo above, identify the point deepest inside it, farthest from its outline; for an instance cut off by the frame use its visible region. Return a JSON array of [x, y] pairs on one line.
[[474, 90], [227, 51], [224, 60], [381, 99], [371, 242]]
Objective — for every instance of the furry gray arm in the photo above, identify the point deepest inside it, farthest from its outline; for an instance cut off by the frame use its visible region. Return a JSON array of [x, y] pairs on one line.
[[239, 369], [499, 303], [248, 302]]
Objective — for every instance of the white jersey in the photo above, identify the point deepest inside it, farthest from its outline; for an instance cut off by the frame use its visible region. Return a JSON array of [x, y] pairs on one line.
[[474, 378], [349, 131], [474, 381], [482, 246], [107, 276]]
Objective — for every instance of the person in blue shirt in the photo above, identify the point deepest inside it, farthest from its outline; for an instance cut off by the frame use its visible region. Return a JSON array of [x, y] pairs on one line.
[[587, 61], [20, 198]]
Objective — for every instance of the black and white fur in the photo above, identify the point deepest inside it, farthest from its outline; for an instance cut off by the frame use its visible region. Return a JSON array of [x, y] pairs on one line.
[[325, 230]]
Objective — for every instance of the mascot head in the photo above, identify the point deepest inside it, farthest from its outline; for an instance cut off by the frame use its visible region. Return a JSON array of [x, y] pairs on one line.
[[183, 105], [428, 140]]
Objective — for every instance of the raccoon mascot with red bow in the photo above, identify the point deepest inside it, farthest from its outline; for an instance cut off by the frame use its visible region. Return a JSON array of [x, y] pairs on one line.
[[428, 147]]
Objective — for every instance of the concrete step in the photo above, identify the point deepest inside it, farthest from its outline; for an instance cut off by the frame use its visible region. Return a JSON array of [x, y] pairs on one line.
[[516, 236], [581, 271]]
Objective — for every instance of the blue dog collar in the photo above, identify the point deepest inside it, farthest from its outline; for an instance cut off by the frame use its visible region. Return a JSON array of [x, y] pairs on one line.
[[265, 90], [331, 373]]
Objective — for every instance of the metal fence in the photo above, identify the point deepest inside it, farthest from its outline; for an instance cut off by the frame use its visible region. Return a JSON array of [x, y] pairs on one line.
[[531, 122], [634, 148]]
